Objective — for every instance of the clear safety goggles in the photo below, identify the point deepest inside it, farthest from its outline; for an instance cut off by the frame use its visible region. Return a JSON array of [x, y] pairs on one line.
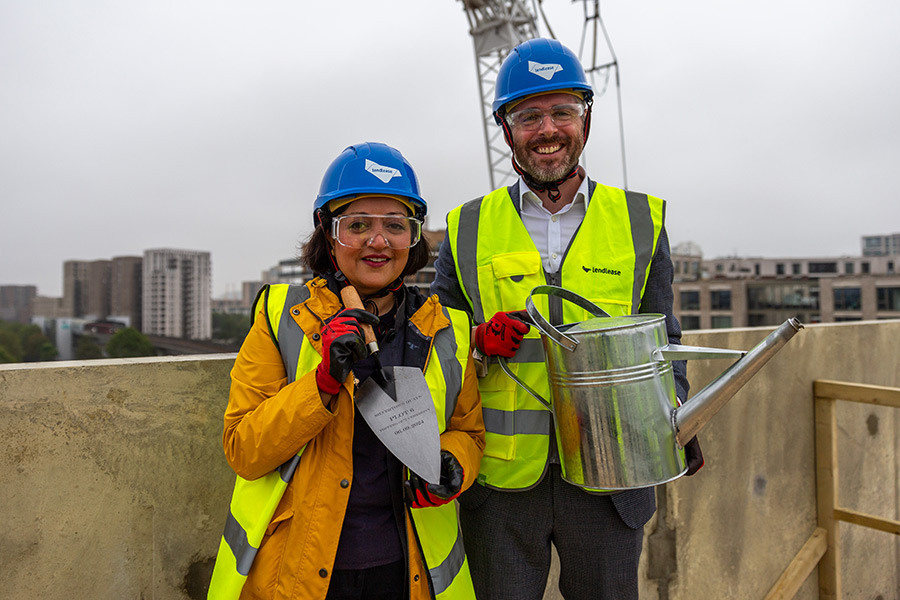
[[530, 119], [359, 230]]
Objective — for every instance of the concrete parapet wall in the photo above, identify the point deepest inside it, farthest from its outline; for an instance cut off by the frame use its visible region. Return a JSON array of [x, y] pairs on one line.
[[114, 484], [113, 480]]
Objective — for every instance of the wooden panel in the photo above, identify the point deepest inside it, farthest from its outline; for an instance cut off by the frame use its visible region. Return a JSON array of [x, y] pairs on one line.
[[858, 518], [806, 560], [855, 392], [826, 498]]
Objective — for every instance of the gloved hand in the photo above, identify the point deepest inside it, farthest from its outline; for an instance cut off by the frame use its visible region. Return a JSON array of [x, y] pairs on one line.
[[421, 494], [343, 344], [693, 455], [502, 334]]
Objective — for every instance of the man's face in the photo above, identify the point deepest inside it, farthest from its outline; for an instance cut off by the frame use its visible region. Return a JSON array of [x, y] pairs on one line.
[[549, 152]]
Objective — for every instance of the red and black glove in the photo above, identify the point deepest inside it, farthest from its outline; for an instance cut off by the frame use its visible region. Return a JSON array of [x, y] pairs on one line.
[[421, 494], [502, 335], [343, 344], [694, 456]]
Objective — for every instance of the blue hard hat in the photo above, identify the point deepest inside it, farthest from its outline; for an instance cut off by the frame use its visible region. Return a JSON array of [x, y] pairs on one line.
[[536, 66], [366, 169]]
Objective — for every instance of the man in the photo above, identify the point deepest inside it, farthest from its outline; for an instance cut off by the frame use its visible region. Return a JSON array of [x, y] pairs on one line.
[[553, 226]]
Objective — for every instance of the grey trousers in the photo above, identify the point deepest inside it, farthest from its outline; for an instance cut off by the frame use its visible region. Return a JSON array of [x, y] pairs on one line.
[[507, 536]]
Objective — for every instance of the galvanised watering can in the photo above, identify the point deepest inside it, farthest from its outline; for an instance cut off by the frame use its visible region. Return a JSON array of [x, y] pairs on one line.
[[618, 422]]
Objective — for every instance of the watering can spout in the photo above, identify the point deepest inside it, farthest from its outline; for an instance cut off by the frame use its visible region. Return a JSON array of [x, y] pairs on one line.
[[694, 414]]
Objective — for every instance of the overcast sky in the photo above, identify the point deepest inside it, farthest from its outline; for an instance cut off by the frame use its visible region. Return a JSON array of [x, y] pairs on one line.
[[770, 127]]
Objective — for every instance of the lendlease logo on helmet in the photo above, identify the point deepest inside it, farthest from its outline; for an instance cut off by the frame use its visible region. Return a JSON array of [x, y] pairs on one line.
[[383, 173], [545, 71]]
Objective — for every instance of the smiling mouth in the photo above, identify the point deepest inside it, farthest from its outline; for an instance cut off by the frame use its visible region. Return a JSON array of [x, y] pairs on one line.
[[548, 148], [378, 260]]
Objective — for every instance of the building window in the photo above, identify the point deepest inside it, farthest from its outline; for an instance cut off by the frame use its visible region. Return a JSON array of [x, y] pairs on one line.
[[847, 298], [690, 322], [848, 268], [719, 268], [779, 269], [720, 300], [822, 267], [690, 300], [795, 268], [756, 269], [890, 266], [888, 298], [721, 321], [864, 267]]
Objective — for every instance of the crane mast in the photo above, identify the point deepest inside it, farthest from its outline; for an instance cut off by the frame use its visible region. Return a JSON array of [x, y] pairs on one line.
[[496, 27]]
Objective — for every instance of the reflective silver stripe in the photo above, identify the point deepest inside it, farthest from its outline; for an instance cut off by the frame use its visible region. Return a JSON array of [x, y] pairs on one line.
[[531, 351], [445, 346], [467, 254], [236, 538], [290, 336], [522, 421], [642, 238], [444, 574]]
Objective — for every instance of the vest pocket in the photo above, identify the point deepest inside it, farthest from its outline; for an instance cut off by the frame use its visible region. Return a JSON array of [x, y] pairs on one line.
[[515, 274]]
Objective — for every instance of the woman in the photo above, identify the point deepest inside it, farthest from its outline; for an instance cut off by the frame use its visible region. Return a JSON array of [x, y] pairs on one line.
[[349, 520]]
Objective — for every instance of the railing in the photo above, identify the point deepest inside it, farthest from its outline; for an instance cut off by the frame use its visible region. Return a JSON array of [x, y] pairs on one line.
[[823, 547]]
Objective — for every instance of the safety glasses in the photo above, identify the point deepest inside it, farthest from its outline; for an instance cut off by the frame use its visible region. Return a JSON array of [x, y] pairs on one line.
[[359, 230]]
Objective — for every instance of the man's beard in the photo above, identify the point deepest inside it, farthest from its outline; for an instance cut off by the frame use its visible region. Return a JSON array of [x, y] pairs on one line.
[[530, 162]]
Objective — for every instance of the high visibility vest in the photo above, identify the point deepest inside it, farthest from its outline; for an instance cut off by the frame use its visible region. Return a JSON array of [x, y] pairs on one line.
[[497, 265], [253, 503]]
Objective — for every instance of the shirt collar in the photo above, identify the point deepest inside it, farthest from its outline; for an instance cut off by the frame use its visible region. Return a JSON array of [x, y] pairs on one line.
[[526, 193]]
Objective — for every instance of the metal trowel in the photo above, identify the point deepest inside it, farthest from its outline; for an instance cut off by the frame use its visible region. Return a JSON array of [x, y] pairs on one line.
[[399, 409]]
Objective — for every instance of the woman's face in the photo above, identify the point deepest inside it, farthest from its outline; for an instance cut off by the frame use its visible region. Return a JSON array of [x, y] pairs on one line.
[[375, 264]]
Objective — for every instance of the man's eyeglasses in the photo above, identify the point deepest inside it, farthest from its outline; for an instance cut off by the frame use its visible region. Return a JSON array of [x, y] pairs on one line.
[[358, 230], [531, 119]]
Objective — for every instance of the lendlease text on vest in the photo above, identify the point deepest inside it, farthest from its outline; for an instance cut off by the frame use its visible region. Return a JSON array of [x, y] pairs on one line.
[[602, 270]]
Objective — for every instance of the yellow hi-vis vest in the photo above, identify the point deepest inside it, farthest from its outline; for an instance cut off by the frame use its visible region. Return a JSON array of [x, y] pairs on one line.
[[497, 266], [253, 503]]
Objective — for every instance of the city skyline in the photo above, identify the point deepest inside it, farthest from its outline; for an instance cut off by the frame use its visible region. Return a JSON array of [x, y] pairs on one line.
[[768, 127]]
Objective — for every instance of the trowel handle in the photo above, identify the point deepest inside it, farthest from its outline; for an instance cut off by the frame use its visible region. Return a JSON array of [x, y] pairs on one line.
[[351, 299]]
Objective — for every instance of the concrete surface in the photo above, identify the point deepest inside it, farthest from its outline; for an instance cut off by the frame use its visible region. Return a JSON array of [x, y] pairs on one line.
[[114, 484]]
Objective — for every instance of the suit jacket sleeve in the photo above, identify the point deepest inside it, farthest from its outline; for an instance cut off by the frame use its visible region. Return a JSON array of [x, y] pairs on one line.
[[445, 283], [658, 298]]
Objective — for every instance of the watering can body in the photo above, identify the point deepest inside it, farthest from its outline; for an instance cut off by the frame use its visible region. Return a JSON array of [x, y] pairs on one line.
[[618, 421]]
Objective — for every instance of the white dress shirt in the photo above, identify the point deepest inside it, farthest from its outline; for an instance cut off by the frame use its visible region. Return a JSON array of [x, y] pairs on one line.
[[552, 232]]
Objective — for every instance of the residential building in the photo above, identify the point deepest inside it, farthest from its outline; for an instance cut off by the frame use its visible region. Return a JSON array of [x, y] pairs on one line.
[[86, 288], [750, 292], [176, 293], [881, 245], [125, 290], [50, 308], [17, 303]]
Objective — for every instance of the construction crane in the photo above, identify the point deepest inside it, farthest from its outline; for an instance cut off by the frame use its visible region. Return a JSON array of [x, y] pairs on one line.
[[498, 26]]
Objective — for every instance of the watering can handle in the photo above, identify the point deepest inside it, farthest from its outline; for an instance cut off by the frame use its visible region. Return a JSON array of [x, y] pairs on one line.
[[505, 366], [544, 326]]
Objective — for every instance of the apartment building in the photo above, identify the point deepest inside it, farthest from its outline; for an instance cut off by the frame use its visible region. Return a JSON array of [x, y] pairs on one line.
[[86, 288], [17, 303], [751, 292], [176, 293], [881, 245], [126, 282]]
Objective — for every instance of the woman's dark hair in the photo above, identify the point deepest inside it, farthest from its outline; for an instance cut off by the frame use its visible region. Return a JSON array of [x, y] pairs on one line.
[[315, 254]]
